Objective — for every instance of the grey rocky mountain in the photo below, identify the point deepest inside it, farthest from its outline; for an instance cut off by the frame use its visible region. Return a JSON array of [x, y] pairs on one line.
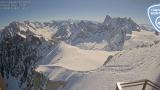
[[19, 52], [112, 30]]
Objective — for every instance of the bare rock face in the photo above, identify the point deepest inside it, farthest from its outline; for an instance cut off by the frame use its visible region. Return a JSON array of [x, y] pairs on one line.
[[107, 20], [117, 29], [2, 83], [20, 49]]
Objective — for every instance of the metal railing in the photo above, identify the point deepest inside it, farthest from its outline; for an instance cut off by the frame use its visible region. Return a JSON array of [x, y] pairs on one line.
[[144, 83]]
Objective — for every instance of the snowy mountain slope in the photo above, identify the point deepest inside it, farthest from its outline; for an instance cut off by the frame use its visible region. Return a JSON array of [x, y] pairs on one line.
[[130, 65], [127, 65], [147, 27], [141, 39], [73, 58]]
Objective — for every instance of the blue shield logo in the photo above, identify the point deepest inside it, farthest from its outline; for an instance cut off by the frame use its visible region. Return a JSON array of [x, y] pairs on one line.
[[154, 16]]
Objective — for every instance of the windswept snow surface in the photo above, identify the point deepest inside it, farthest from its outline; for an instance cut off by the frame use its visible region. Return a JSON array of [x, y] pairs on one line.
[[74, 58], [141, 39], [129, 65], [144, 36]]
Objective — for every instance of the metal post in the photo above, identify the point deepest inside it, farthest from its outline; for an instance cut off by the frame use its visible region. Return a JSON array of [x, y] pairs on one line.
[[117, 88], [144, 86]]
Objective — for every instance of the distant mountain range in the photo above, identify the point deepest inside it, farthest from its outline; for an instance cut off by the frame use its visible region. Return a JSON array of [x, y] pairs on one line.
[[112, 31]]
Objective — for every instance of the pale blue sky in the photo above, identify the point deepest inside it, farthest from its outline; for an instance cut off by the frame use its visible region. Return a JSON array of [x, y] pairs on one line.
[[96, 10]]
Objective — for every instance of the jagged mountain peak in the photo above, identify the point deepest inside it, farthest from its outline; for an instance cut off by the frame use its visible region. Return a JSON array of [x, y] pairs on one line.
[[121, 22], [107, 20]]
